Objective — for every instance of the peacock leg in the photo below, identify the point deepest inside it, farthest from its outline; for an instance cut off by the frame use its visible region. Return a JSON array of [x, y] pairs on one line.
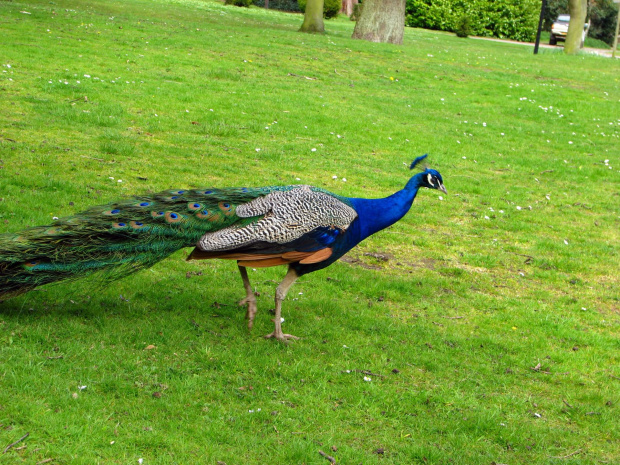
[[281, 291], [250, 298]]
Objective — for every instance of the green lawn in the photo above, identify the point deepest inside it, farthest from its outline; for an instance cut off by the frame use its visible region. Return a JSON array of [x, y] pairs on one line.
[[489, 319]]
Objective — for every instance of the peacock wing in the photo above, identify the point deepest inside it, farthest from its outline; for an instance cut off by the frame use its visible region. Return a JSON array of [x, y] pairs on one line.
[[294, 225]]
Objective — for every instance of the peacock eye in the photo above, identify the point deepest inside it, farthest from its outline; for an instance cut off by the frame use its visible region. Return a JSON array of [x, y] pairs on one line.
[[226, 205], [174, 216], [208, 192], [115, 211], [144, 204]]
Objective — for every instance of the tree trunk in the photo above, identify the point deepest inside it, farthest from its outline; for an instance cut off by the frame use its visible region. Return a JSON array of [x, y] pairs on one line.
[[381, 21], [313, 17], [578, 9], [347, 6]]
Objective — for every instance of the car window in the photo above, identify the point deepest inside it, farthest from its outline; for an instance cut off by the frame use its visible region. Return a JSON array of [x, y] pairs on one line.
[[564, 18]]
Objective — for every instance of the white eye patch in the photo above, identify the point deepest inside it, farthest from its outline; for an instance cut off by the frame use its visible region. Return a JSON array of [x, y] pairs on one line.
[[429, 177]]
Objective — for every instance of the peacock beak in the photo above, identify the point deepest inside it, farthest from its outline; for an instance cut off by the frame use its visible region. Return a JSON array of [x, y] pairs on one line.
[[442, 189]]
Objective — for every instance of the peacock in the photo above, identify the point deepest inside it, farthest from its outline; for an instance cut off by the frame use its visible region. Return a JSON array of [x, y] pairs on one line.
[[306, 228]]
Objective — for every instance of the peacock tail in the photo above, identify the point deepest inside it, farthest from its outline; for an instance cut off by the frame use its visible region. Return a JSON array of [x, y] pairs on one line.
[[122, 237]]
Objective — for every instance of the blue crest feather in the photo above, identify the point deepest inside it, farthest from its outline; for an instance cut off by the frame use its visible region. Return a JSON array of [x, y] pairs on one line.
[[417, 161]]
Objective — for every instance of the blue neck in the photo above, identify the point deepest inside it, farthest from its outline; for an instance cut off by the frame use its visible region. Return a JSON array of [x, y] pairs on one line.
[[372, 215], [377, 214]]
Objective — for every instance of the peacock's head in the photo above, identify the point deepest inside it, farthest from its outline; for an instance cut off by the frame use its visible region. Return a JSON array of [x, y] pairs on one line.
[[429, 178], [432, 180]]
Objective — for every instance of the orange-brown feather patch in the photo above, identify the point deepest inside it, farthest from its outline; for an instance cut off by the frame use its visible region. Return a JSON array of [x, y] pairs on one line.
[[317, 257], [263, 260], [295, 256], [198, 254], [264, 263]]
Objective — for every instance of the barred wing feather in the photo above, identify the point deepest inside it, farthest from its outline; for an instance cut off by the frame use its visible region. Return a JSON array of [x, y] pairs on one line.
[[295, 225]]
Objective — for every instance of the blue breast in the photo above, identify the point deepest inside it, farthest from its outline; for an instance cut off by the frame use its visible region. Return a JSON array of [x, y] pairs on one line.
[[373, 216]]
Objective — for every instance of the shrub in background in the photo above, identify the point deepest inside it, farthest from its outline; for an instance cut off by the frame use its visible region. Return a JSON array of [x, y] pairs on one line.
[[429, 14], [463, 26], [281, 5], [244, 3], [506, 19], [331, 8], [603, 20]]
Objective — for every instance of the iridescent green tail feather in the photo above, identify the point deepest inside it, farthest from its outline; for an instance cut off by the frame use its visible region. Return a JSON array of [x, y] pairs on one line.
[[118, 238]]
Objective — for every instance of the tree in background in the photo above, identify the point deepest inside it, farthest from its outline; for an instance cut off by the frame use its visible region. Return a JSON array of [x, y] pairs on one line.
[[313, 17], [381, 21], [578, 10], [602, 15], [331, 8], [348, 6]]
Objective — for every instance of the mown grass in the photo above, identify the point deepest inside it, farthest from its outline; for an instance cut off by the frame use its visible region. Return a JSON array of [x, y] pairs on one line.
[[497, 306]]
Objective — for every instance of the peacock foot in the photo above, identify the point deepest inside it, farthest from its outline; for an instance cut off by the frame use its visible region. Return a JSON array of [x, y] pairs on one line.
[[251, 311], [280, 336]]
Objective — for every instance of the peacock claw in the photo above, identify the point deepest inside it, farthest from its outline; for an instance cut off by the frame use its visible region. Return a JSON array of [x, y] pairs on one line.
[[280, 337], [251, 311]]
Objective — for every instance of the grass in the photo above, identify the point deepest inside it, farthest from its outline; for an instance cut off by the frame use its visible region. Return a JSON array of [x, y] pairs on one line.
[[497, 306]]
